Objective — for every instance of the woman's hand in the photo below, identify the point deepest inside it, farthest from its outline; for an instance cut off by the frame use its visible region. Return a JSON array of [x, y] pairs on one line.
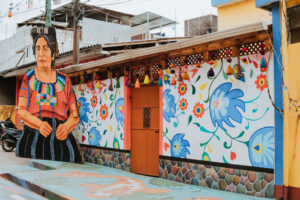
[[45, 129], [62, 132]]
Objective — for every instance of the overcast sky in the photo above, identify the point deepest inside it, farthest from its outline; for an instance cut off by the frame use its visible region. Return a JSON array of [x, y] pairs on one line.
[[182, 9]]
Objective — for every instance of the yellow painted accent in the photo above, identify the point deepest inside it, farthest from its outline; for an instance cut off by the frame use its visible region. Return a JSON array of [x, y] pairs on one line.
[[110, 128], [291, 119], [203, 86], [286, 123], [261, 82], [231, 79], [6, 112], [146, 80], [119, 92], [121, 108], [201, 97], [215, 64], [209, 149], [98, 85], [206, 158], [176, 147], [259, 151], [116, 145], [246, 63], [291, 149], [241, 14], [105, 96]]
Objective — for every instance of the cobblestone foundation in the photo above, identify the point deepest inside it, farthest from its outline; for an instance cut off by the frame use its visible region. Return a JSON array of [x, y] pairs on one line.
[[259, 184], [108, 158]]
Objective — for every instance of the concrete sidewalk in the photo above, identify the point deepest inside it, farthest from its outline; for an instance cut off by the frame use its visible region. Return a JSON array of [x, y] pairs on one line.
[[58, 180]]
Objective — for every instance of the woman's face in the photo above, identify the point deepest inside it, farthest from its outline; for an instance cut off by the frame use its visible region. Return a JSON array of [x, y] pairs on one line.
[[43, 53]]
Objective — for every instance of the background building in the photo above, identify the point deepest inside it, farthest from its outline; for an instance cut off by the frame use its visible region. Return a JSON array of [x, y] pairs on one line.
[[200, 25], [235, 13]]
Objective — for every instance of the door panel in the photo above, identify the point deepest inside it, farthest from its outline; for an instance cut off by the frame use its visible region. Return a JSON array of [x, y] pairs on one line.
[[144, 140], [145, 96], [152, 154], [137, 119], [138, 151], [154, 118]]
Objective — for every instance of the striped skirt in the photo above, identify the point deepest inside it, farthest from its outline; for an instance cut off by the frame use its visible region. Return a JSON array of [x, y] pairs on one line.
[[34, 145]]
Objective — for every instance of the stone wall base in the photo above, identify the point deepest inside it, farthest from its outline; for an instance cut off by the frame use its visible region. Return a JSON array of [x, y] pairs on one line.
[[260, 184], [109, 158], [243, 181]]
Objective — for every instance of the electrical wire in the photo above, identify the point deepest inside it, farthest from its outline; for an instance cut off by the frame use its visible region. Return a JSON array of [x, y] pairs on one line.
[[26, 11], [292, 102], [86, 1], [285, 18]]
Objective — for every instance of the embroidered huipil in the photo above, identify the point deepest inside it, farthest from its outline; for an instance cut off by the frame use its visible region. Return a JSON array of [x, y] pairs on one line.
[[48, 99]]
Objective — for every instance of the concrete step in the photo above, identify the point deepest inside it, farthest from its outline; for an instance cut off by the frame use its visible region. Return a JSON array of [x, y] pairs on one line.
[[58, 180]]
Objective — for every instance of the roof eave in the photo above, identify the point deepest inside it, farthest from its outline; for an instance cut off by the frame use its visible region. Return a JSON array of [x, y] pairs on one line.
[[135, 54]]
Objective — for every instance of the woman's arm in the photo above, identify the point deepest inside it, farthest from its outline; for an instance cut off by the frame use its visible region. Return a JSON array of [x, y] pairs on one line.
[[32, 121], [64, 129]]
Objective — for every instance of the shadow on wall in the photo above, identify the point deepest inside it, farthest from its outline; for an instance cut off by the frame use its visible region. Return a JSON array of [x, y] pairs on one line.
[[7, 91]]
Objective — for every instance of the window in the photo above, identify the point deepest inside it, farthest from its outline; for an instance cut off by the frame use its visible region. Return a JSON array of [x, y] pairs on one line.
[[294, 23], [146, 117]]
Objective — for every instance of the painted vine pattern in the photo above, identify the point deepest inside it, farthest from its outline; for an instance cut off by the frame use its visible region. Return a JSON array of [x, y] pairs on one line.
[[101, 114], [227, 117]]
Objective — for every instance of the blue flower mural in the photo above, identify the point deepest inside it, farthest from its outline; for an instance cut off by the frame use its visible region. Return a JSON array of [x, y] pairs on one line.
[[223, 105], [94, 137], [261, 148], [169, 109], [119, 111], [179, 146], [83, 107]]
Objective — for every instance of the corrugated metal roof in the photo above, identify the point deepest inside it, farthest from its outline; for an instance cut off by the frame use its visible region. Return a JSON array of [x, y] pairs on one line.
[[155, 20], [110, 46], [139, 53], [22, 42], [67, 8], [27, 66]]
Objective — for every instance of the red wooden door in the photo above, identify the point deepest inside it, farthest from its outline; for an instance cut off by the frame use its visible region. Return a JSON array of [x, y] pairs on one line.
[[145, 130]]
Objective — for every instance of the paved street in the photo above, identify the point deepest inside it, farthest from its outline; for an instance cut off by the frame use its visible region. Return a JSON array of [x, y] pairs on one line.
[[57, 180]]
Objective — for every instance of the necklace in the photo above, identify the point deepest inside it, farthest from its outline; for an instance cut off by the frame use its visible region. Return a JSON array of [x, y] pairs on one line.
[[46, 92]]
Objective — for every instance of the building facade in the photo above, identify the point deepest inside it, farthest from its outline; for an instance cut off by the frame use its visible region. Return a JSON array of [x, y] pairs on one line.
[[210, 122], [235, 13]]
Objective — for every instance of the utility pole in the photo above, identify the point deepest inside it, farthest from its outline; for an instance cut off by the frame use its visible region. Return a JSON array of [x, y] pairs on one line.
[[76, 13], [48, 13]]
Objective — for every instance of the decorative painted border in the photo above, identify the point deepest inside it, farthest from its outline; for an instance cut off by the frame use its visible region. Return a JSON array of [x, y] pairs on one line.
[[248, 182], [119, 159]]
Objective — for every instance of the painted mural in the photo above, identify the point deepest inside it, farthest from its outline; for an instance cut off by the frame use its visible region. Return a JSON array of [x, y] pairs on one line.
[[101, 113], [7, 112], [47, 105], [213, 116]]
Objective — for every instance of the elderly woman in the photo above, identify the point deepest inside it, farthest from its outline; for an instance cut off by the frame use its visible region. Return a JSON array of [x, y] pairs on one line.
[[47, 105]]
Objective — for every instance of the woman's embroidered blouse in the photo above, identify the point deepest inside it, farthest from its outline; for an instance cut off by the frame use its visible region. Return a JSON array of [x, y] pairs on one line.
[[48, 99]]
